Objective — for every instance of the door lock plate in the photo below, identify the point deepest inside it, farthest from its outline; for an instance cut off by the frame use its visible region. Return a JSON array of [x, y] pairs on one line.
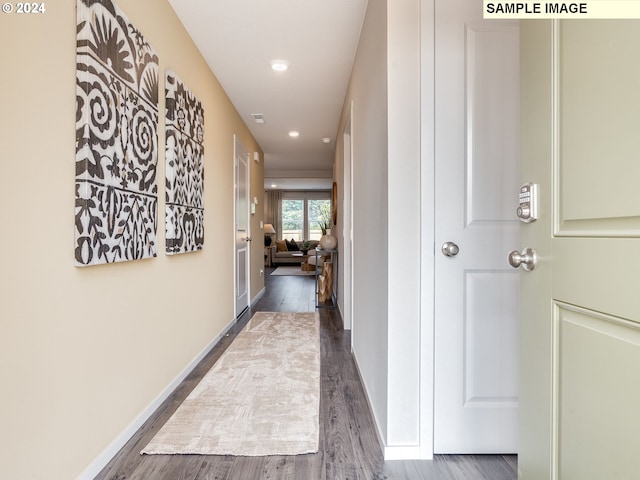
[[527, 210]]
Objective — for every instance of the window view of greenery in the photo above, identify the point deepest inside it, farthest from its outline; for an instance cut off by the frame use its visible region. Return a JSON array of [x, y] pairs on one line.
[[319, 211], [295, 218]]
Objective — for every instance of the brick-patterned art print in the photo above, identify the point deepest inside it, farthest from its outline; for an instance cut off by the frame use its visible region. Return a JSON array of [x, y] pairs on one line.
[[116, 138], [184, 167]]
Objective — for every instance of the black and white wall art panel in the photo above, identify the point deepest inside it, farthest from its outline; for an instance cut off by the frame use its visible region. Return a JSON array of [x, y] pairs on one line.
[[184, 168], [116, 138]]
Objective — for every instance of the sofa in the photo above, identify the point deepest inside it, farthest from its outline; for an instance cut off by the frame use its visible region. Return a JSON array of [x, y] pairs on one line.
[[287, 252]]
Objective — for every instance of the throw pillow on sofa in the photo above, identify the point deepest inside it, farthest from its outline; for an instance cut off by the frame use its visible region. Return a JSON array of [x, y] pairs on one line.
[[292, 246], [281, 245]]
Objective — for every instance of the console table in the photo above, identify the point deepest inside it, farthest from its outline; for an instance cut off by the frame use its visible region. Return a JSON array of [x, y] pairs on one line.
[[327, 279]]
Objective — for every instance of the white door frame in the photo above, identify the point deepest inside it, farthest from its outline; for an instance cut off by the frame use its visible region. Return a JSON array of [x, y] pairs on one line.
[[427, 227], [347, 222], [239, 149]]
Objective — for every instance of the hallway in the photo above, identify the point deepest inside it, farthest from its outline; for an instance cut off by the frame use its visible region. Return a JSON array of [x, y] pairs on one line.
[[349, 449]]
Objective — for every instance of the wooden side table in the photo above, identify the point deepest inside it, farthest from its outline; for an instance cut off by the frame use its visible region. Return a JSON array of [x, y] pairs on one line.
[[327, 279]]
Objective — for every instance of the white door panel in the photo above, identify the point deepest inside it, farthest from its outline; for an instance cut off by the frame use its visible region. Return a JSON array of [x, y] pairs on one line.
[[580, 308], [489, 321], [476, 293], [243, 235]]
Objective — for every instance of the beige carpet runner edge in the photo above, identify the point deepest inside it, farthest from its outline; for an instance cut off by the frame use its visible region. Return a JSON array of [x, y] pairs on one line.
[[291, 270], [262, 396]]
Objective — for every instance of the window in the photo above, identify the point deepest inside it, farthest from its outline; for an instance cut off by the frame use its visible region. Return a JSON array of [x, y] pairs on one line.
[[317, 211], [292, 219], [301, 214]]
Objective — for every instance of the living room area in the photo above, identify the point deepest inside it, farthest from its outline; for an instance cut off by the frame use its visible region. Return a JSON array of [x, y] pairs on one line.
[[298, 239]]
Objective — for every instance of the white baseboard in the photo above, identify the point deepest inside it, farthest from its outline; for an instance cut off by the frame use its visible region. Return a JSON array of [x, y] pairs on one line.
[[410, 452], [114, 447], [366, 396], [259, 295]]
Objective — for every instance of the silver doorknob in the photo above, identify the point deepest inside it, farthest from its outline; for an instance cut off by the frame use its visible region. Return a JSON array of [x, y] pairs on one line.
[[527, 259], [450, 249]]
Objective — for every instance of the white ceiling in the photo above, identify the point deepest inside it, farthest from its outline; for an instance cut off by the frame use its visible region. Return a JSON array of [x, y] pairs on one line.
[[239, 39]]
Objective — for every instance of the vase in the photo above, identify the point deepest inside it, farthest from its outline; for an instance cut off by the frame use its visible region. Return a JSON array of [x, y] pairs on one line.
[[328, 242]]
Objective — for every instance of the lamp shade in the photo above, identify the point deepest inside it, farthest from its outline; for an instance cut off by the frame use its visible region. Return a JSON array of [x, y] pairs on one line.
[[268, 228]]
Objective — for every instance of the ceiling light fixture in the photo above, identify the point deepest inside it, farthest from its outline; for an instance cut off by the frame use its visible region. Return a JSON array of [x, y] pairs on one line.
[[326, 140], [279, 65], [294, 134]]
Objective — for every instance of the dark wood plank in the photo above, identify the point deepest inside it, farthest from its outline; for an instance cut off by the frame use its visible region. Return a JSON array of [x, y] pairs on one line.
[[348, 446], [215, 468], [279, 468], [310, 465], [244, 468], [417, 470]]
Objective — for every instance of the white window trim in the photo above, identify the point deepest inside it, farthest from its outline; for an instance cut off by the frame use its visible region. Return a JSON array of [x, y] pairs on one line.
[[305, 196]]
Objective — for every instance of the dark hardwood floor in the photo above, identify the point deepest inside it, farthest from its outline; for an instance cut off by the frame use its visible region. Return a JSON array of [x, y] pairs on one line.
[[349, 449]]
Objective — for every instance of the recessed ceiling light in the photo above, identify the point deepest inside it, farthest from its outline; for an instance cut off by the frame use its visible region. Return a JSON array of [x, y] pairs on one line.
[[294, 134], [326, 140], [279, 65], [273, 185]]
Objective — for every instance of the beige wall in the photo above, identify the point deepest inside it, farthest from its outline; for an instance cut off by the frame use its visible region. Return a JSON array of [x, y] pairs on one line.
[[83, 351]]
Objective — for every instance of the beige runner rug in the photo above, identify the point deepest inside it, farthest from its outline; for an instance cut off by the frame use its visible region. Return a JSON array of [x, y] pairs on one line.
[[262, 396], [280, 271]]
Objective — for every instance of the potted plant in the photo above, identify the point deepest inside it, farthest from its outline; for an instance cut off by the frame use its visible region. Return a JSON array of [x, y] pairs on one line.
[[327, 241], [305, 246], [324, 219]]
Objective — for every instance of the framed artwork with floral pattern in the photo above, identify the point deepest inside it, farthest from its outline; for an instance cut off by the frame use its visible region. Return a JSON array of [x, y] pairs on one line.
[[184, 168], [116, 192]]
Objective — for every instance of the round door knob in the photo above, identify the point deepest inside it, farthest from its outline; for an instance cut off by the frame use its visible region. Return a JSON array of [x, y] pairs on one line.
[[527, 259], [450, 249]]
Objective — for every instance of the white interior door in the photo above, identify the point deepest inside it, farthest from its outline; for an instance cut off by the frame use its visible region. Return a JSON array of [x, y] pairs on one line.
[[580, 308], [476, 293], [242, 233]]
